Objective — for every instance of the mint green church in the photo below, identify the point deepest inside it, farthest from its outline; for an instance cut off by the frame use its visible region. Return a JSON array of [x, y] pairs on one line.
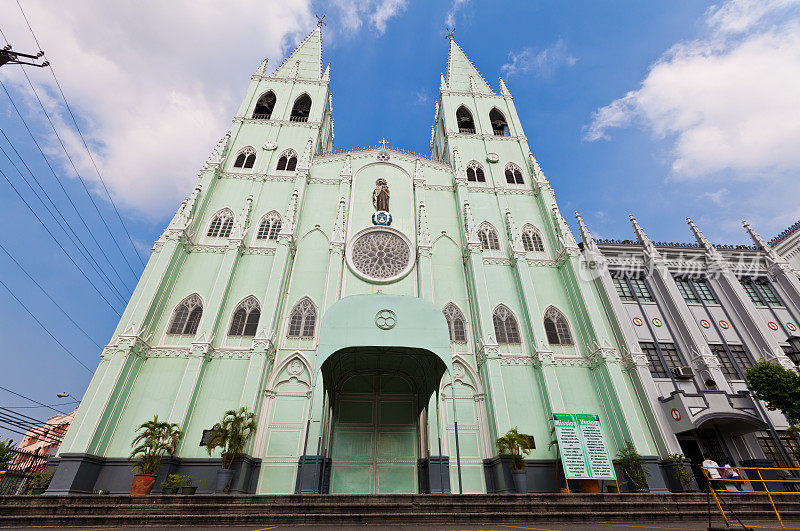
[[386, 315]]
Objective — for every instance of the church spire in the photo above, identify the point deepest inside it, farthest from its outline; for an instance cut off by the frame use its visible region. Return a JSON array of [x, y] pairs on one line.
[[305, 62], [711, 251], [649, 249], [462, 76]]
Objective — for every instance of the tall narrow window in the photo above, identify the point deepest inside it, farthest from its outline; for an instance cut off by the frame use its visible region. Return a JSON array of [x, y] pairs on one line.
[[702, 288], [475, 172], [301, 109], [657, 367], [455, 323], [465, 122], [531, 239], [623, 289], [186, 317], [264, 106], [499, 124], [513, 174], [270, 227], [246, 158], [488, 237], [639, 287], [221, 225], [302, 319], [750, 289], [505, 326], [767, 294], [686, 290], [556, 327], [287, 161], [245, 318]]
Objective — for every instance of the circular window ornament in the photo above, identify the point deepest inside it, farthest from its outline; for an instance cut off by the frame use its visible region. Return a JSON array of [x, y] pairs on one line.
[[657, 322], [704, 323], [382, 156], [791, 326], [380, 255], [724, 324], [773, 325], [638, 321], [385, 319], [492, 157]]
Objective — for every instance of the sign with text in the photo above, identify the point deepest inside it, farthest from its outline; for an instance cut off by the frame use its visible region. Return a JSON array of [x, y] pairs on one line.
[[583, 447]]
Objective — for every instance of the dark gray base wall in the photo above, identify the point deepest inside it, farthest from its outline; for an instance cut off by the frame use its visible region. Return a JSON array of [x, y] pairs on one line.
[[673, 483], [434, 474], [313, 475], [86, 473]]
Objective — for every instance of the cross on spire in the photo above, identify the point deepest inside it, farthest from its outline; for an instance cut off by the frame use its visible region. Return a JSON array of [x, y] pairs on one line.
[[383, 143], [450, 32], [320, 20]]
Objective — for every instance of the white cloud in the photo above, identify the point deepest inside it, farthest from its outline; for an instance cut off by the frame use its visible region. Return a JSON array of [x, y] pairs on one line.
[[541, 63], [154, 84], [421, 98], [455, 7], [352, 13], [717, 197]]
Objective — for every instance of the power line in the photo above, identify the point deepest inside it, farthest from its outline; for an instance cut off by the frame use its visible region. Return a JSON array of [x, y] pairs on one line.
[[63, 224], [30, 399], [49, 297], [59, 244], [52, 71], [43, 405], [68, 351], [38, 431]]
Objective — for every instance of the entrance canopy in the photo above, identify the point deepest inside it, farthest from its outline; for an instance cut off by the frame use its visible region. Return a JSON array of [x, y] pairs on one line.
[[391, 333]]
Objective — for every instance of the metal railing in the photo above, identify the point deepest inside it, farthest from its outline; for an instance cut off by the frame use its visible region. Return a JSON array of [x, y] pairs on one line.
[[467, 130], [261, 116], [14, 479], [716, 487], [298, 118]]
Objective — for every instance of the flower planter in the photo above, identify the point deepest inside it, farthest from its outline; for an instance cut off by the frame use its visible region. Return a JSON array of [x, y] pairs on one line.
[[189, 490], [169, 490], [224, 480], [143, 483], [38, 490], [520, 481]]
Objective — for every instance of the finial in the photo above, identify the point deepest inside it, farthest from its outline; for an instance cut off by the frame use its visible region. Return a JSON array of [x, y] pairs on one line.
[[703, 241], [772, 256], [383, 143], [321, 21], [641, 235], [450, 32]]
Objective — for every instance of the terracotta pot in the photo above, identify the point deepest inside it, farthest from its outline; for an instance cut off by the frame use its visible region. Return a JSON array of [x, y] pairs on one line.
[[566, 491], [143, 483]]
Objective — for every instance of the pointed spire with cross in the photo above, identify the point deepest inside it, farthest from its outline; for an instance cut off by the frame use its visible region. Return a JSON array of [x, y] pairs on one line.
[[450, 32], [383, 143], [321, 21]]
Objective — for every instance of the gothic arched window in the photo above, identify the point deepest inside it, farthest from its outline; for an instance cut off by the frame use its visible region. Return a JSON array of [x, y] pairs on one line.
[[513, 174], [270, 227], [221, 225], [506, 330], [456, 323], [531, 239], [475, 172], [556, 327], [287, 161], [499, 124], [264, 106], [465, 122], [302, 319], [245, 318], [246, 158], [186, 316], [488, 237], [301, 109]]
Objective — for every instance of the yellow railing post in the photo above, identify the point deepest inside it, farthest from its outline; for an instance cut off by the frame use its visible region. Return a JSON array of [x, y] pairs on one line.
[[716, 500], [769, 494]]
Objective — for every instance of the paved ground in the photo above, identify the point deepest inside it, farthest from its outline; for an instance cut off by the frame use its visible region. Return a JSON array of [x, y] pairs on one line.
[[598, 526]]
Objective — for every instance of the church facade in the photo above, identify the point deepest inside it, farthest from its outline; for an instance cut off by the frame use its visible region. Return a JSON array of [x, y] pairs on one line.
[[386, 315]]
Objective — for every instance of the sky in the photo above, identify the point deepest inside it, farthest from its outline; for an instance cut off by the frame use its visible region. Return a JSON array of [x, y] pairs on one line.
[[660, 109]]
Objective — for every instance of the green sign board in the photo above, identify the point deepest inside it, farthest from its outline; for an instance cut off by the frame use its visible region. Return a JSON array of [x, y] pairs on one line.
[[583, 447]]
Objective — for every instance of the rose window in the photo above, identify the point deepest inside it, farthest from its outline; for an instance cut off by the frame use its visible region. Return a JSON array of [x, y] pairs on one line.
[[380, 255]]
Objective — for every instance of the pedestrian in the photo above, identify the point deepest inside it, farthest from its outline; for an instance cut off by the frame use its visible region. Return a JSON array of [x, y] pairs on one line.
[[733, 475], [712, 469]]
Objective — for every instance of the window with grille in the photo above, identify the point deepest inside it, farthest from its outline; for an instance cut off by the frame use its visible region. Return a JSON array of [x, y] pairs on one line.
[[531, 239], [513, 174], [186, 316], [772, 451], [740, 355], [704, 291], [767, 293], [302, 319], [456, 323], [623, 289], [498, 121], [475, 172], [264, 106], [465, 122], [792, 354], [556, 327], [639, 287], [287, 161], [505, 326], [301, 109], [750, 289], [657, 367], [270, 227], [246, 158], [726, 364], [245, 318], [488, 237], [221, 225], [686, 290]]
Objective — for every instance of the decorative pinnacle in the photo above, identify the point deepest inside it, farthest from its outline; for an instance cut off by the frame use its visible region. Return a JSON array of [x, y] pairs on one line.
[[450, 32], [586, 236], [641, 235], [321, 20], [702, 240], [762, 244]]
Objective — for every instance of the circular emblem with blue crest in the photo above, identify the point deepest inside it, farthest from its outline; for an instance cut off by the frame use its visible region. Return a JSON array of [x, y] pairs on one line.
[[381, 217]]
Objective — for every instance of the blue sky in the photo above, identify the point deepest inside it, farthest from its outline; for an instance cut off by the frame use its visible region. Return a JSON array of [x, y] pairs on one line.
[[660, 109]]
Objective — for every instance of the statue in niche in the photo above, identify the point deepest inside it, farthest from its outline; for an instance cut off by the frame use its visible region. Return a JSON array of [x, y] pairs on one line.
[[380, 196]]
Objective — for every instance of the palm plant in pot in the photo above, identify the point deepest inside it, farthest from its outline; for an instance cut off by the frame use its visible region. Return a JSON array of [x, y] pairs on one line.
[[632, 465], [155, 440], [516, 445], [230, 436]]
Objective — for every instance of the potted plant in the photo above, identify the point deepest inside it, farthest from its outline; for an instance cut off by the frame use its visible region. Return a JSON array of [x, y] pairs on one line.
[[7, 453], [516, 444], [632, 465], [155, 440], [39, 482], [189, 485], [682, 471], [231, 435], [172, 484]]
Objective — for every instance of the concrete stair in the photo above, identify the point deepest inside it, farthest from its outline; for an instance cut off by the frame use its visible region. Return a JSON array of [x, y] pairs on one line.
[[220, 510]]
